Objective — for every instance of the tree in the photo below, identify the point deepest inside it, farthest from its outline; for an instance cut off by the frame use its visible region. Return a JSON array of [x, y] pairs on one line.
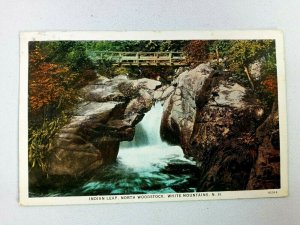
[[72, 54], [219, 49], [243, 53], [197, 51], [56, 71], [44, 83], [173, 46]]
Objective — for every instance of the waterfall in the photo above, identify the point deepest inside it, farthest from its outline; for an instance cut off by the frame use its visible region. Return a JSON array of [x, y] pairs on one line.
[[147, 151], [147, 132]]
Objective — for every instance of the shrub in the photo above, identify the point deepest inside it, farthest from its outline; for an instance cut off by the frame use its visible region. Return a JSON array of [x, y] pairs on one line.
[[39, 141]]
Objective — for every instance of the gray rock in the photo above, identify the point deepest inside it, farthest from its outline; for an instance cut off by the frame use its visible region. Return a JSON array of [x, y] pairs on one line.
[[101, 80], [194, 79], [158, 94], [102, 93], [167, 92], [137, 105], [146, 83], [120, 77], [65, 162], [96, 108], [80, 160], [255, 69], [163, 92], [146, 98], [77, 149], [179, 108], [229, 95]]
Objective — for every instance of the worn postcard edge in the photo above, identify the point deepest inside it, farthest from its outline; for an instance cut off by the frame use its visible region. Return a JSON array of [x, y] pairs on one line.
[[25, 37]]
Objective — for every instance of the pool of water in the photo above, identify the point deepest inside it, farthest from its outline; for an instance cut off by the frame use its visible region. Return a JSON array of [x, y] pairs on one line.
[[145, 165]]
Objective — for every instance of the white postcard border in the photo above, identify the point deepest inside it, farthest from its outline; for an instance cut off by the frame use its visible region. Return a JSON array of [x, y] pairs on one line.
[[25, 37]]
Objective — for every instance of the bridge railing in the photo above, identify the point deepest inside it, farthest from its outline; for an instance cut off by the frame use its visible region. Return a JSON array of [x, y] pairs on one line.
[[143, 58]]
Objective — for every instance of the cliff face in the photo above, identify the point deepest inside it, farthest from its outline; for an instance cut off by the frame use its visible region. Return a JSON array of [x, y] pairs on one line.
[[266, 172], [215, 121], [180, 107], [223, 139]]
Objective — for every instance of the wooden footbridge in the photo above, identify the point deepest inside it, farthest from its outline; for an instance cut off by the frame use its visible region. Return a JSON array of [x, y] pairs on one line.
[[142, 58]]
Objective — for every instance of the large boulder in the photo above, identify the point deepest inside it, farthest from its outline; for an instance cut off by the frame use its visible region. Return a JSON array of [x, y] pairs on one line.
[[214, 119], [146, 83], [180, 106], [109, 111], [162, 93], [103, 93], [84, 144]]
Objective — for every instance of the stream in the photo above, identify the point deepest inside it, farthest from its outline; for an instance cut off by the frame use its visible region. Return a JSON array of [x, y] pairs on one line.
[[145, 165]]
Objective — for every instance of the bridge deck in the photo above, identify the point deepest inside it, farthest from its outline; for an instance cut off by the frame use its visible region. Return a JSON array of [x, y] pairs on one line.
[[143, 58]]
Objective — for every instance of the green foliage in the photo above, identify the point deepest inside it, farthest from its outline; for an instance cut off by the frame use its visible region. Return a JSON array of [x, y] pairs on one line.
[[269, 62], [266, 97], [244, 52], [267, 88], [122, 70], [237, 56], [105, 67], [57, 70], [100, 46], [70, 53], [175, 46], [39, 141], [220, 46], [136, 46]]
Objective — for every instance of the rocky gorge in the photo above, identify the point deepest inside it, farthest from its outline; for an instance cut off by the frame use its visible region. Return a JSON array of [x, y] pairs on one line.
[[222, 126], [216, 121]]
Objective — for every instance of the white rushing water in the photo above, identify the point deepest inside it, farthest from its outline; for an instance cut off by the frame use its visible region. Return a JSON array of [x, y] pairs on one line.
[[147, 151]]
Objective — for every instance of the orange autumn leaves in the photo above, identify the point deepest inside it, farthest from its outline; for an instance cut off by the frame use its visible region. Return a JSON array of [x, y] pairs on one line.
[[270, 83], [45, 81]]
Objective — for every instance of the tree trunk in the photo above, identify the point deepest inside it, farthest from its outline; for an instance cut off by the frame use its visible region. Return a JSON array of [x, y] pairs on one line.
[[218, 56], [246, 69]]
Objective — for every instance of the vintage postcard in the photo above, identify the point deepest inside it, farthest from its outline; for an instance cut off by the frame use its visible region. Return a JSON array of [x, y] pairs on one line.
[[118, 117]]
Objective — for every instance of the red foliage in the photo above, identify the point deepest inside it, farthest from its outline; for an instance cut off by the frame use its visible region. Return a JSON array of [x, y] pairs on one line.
[[197, 51], [44, 81], [53, 83], [270, 83]]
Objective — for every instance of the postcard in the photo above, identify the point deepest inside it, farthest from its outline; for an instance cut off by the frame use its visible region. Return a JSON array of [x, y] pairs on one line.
[[125, 117]]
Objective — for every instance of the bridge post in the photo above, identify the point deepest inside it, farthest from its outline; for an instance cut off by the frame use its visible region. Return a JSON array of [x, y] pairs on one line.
[[120, 58], [138, 58]]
